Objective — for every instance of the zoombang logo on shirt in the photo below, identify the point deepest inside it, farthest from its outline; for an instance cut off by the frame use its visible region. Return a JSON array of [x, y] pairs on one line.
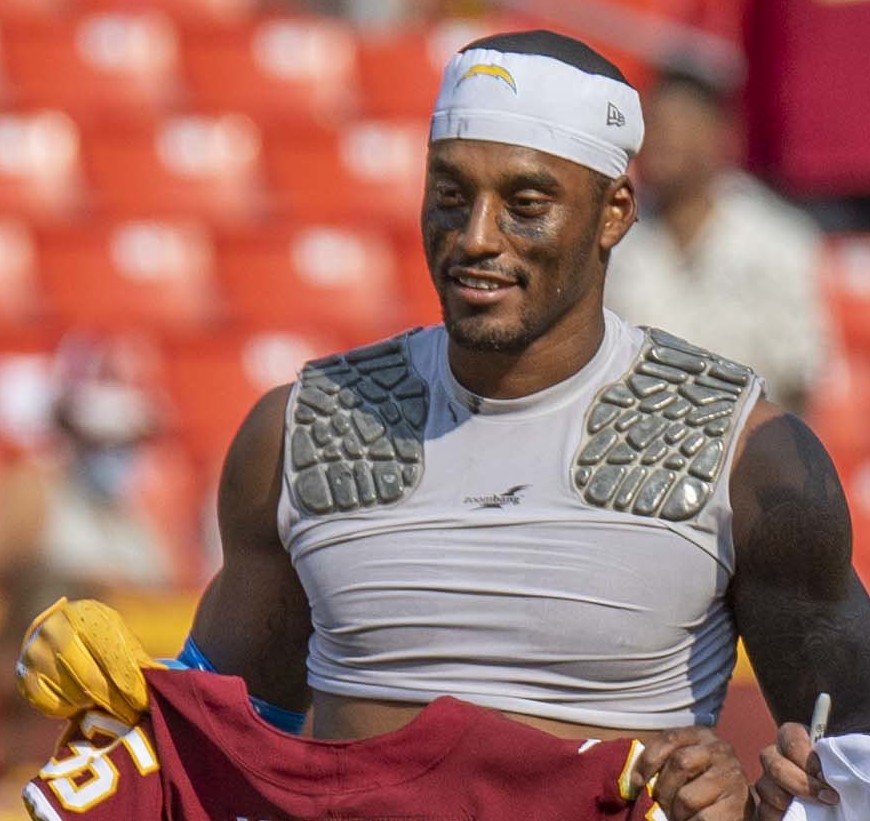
[[511, 497]]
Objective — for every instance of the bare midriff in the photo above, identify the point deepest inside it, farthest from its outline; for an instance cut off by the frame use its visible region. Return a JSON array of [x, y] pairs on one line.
[[337, 717]]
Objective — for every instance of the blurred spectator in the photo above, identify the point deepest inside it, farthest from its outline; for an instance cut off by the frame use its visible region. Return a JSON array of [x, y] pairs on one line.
[[108, 412], [717, 257], [105, 504]]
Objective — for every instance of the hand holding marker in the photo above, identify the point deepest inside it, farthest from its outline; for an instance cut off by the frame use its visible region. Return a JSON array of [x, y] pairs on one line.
[[819, 721]]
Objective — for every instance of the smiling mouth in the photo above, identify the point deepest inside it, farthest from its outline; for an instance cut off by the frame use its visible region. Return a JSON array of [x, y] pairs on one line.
[[478, 284], [479, 280]]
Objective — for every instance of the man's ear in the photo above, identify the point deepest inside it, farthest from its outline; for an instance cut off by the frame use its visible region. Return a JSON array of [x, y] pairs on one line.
[[618, 212]]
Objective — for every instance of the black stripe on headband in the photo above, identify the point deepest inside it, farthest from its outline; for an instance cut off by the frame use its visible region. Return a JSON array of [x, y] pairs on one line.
[[549, 44]]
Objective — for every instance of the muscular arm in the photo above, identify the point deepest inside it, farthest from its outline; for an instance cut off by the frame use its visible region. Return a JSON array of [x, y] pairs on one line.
[[253, 619], [801, 610]]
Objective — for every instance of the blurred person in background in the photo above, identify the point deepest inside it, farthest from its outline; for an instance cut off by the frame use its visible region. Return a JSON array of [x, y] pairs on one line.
[[717, 257], [101, 506], [108, 412]]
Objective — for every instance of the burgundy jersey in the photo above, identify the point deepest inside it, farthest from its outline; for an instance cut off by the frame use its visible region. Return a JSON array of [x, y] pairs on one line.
[[202, 754]]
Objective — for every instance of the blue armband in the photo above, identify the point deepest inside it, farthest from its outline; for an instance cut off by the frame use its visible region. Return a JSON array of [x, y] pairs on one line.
[[192, 658], [290, 721]]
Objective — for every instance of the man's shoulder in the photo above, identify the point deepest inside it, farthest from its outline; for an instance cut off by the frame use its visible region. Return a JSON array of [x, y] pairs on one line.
[[389, 347], [789, 505], [356, 424], [369, 372], [661, 338], [659, 437], [781, 441]]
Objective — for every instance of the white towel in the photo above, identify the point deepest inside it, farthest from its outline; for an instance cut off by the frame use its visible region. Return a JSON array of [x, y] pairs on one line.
[[846, 767]]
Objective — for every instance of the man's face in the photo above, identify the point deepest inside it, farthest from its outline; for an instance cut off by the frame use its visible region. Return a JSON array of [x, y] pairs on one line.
[[512, 241]]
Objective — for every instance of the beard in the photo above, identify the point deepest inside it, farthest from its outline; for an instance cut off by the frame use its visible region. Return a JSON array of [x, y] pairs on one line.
[[476, 333]]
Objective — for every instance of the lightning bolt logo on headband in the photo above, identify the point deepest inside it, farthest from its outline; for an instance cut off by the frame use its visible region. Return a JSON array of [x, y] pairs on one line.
[[569, 121], [488, 70]]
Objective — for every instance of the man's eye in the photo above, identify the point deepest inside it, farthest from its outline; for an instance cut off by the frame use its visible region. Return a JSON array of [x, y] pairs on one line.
[[448, 197], [529, 205]]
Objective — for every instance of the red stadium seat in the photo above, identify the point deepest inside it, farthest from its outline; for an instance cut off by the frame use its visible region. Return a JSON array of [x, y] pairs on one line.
[[215, 380], [40, 165], [115, 275], [400, 68], [273, 68], [21, 298], [194, 12], [16, 10], [837, 409], [368, 170], [846, 286], [335, 278], [181, 165], [94, 65]]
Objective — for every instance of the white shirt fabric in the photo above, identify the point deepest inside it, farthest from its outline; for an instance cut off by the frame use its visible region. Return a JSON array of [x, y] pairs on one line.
[[746, 288], [540, 603], [846, 767]]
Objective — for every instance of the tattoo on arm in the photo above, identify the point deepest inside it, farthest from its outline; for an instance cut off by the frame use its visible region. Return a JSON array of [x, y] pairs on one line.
[[281, 661], [803, 614]]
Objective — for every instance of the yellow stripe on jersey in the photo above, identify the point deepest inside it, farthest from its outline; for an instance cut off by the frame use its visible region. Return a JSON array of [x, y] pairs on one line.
[[626, 791]]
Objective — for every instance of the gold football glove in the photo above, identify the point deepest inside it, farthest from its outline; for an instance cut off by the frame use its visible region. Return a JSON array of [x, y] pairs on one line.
[[79, 655]]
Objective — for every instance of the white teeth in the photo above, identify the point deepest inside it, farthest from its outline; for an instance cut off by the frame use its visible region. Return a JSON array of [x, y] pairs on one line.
[[478, 284]]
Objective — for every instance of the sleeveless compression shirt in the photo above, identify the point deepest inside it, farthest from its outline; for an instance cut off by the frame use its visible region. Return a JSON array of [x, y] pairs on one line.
[[564, 555]]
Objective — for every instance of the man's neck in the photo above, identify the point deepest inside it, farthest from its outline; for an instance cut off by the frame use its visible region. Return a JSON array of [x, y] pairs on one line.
[[545, 363]]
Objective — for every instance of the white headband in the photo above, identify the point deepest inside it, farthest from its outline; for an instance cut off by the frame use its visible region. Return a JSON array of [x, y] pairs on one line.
[[542, 103]]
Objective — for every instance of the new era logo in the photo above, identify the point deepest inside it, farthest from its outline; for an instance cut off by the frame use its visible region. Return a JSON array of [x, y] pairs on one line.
[[615, 116]]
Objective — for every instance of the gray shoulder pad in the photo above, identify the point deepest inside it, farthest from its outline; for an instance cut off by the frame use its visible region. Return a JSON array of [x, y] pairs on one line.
[[654, 443], [358, 425]]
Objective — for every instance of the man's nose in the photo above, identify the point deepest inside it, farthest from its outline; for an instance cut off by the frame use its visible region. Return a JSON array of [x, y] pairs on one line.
[[481, 235]]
